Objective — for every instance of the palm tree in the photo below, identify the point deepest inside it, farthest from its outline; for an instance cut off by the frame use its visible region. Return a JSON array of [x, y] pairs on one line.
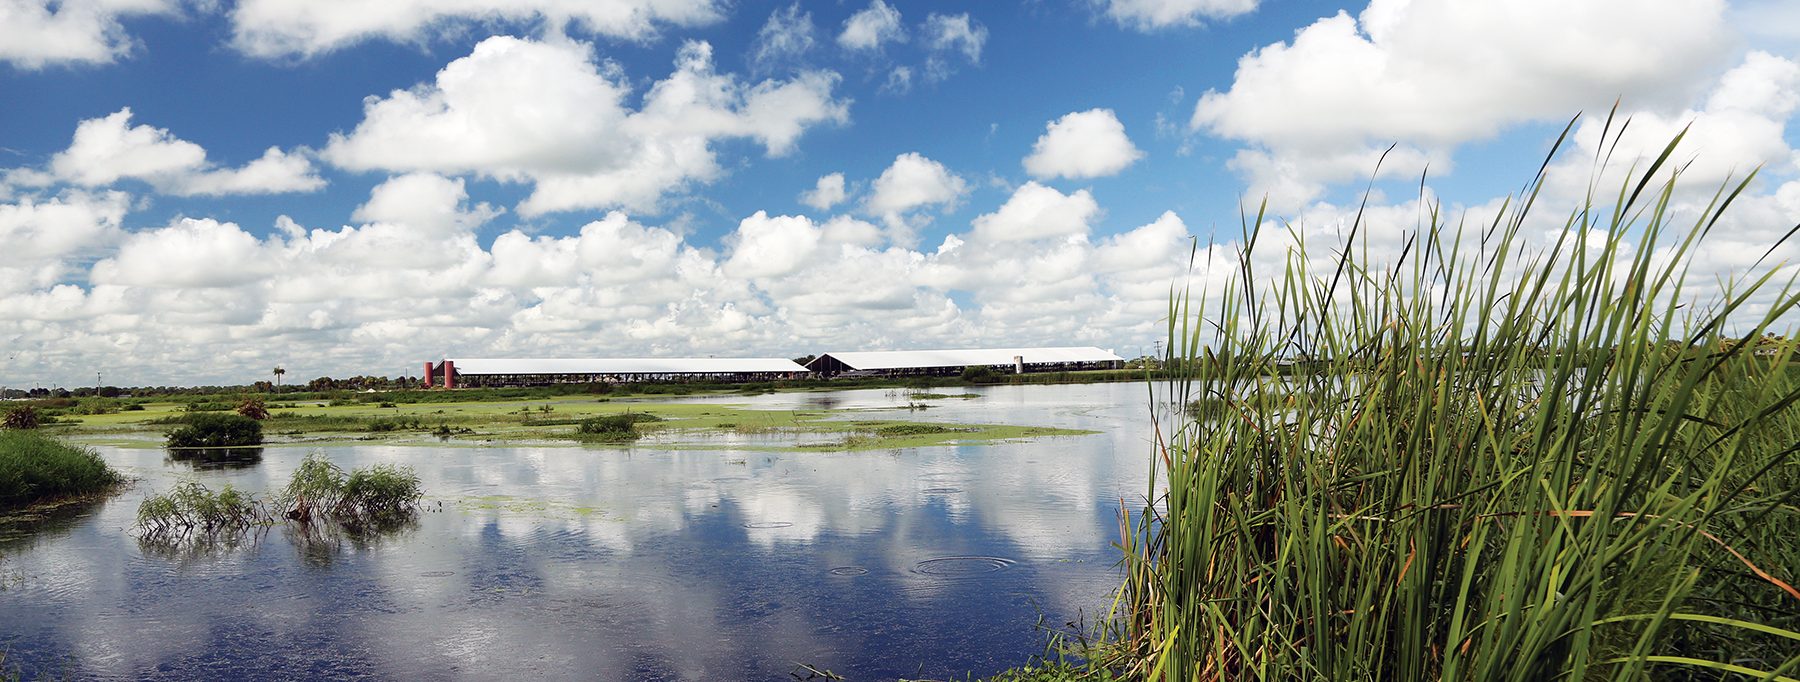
[[278, 372]]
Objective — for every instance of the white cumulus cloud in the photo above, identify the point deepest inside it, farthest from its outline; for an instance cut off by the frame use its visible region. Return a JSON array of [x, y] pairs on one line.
[[189, 253], [39, 33], [545, 113], [899, 81], [1035, 212], [1157, 14], [772, 246], [44, 239], [945, 36], [1740, 126], [275, 28], [274, 172], [109, 149], [956, 33], [872, 27], [911, 183], [1084, 144], [1433, 75], [787, 35], [829, 191], [202, 300], [425, 201]]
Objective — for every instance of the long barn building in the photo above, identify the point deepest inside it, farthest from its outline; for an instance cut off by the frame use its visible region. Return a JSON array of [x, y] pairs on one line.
[[942, 362], [455, 372]]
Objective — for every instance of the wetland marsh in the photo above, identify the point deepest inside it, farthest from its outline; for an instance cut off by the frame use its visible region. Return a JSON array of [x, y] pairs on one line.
[[716, 546]]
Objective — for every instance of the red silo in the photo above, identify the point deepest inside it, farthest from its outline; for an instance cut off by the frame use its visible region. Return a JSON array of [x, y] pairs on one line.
[[449, 374], [428, 374]]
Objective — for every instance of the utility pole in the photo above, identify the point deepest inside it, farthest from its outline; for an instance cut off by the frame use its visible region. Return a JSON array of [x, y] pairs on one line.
[[10, 357]]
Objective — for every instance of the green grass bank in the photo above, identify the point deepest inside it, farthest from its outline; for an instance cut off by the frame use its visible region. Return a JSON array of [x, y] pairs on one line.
[[36, 468]]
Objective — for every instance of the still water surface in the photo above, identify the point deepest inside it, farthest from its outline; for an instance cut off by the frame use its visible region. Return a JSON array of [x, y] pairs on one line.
[[618, 563]]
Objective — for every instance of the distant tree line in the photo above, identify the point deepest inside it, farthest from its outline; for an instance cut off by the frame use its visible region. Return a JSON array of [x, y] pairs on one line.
[[357, 383]]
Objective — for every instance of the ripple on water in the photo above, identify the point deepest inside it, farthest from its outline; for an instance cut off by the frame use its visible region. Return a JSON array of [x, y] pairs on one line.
[[849, 571], [570, 533], [941, 491], [437, 574], [768, 524], [961, 566]]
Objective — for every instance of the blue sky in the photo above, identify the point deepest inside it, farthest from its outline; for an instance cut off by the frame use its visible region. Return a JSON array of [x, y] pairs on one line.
[[1047, 60], [379, 188]]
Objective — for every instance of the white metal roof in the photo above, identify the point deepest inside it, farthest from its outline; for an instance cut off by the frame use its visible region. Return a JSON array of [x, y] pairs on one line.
[[625, 366], [903, 359]]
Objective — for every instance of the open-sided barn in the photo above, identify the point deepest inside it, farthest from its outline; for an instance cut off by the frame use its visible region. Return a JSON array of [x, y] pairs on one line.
[[911, 362], [527, 372]]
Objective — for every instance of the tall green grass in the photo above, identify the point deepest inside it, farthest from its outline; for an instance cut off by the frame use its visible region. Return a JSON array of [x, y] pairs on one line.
[[35, 467], [376, 494], [193, 511], [1504, 461]]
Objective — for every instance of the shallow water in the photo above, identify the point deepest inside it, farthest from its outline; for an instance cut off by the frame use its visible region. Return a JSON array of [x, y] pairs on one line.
[[618, 563]]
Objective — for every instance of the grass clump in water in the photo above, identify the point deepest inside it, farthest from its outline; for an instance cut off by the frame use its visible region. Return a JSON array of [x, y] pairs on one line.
[[383, 491], [444, 431], [35, 468], [191, 508], [214, 430], [374, 494], [613, 427], [1503, 462], [376, 497]]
